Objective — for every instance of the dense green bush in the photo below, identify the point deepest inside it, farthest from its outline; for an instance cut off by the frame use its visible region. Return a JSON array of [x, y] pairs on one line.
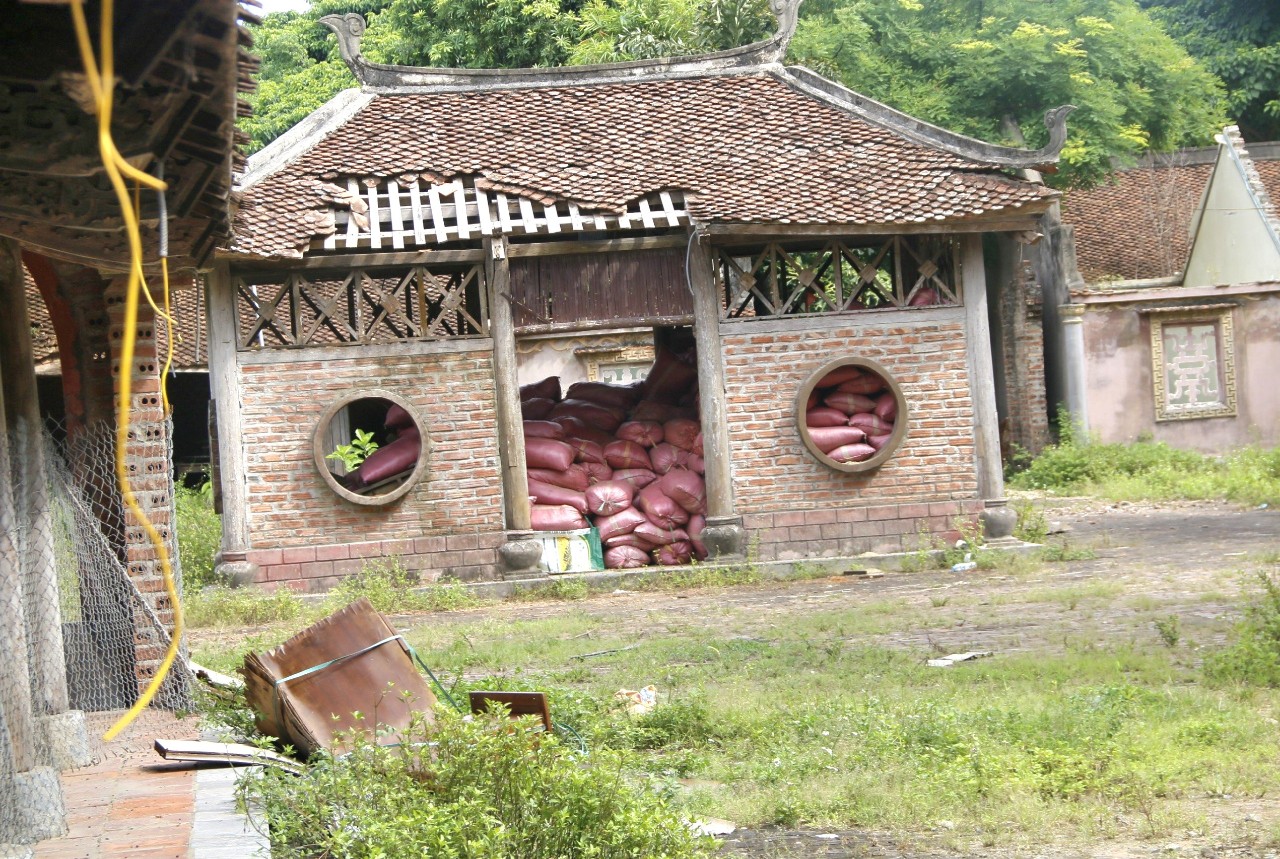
[[1254, 656], [1154, 471], [487, 788], [199, 532]]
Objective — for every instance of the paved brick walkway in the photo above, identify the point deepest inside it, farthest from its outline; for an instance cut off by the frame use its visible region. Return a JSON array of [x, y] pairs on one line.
[[134, 804], [123, 807]]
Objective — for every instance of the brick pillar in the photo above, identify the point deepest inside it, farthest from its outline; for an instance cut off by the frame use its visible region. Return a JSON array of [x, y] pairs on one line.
[[1022, 335], [150, 474]]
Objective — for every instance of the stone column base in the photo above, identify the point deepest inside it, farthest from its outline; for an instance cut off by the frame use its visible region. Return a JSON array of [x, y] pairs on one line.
[[998, 521], [519, 557], [235, 569], [62, 740], [37, 811], [725, 537]]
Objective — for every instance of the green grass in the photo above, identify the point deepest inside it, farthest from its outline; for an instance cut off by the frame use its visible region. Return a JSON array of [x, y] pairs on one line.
[[199, 532], [1147, 471], [808, 725]]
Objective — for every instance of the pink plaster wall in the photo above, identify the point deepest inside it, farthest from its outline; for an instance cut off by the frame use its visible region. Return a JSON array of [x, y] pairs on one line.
[[1121, 398]]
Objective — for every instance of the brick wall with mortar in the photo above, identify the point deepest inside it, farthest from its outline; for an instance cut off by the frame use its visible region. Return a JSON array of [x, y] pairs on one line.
[[306, 537], [795, 507], [150, 476], [1027, 423]]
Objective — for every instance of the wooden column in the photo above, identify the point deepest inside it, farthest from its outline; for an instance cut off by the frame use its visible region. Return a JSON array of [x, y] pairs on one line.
[[986, 420], [17, 736], [224, 392], [31, 492], [515, 485], [723, 535], [998, 519]]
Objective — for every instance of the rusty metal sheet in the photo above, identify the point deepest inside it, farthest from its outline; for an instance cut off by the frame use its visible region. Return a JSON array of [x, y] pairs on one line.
[[308, 690]]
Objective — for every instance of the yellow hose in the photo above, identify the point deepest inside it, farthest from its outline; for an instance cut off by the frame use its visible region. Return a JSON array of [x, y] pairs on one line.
[[102, 84]]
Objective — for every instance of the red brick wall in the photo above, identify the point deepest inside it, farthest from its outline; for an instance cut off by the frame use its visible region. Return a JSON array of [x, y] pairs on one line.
[[303, 534], [1027, 422], [795, 507]]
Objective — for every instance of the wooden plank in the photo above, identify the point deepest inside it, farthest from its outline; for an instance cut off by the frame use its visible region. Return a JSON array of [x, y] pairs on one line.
[[552, 217], [575, 217], [437, 214], [375, 218], [600, 222], [397, 216], [353, 230], [482, 212], [646, 214], [415, 208], [669, 209], [527, 219], [342, 262], [504, 215], [462, 219], [604, 325]]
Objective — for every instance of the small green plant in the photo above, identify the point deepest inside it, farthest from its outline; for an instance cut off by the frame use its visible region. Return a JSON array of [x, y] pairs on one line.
[[1167, 629], [393, 589], [199, 532], [1254, 656], [1063, 551], [453, 789], [1032, 526], [353, 454], [568, 590], [219, 606]]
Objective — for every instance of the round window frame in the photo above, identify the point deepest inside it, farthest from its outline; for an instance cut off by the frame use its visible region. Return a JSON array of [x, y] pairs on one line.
[[318, 452], [899, 426]]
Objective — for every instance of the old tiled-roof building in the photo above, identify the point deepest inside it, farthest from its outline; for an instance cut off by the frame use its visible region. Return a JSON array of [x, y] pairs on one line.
[[1138, 225], [748, 244], [1172, 320]]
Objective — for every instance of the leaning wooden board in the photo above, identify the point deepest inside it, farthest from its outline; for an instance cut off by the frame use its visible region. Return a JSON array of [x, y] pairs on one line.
[[309, 690]]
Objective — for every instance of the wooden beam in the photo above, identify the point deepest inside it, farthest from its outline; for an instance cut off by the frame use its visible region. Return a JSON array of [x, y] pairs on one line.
[[224, 391], [629, 243], [986, 420], [711, 394], [603, 325], [357, 260], [515, 480], [784, 232]]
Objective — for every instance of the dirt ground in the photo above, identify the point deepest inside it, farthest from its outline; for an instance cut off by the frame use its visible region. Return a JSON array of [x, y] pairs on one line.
[[1184, 560]]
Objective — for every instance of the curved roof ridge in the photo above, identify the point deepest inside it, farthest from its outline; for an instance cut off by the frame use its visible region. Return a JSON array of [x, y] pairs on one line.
[[383, 77], [927, 134]]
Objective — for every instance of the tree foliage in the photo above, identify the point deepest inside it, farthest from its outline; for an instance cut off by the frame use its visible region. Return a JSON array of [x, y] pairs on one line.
[[990, 68], [1238, 40]]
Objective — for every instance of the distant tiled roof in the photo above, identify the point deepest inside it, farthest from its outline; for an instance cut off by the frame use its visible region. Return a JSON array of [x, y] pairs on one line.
[[1137, 226], [741, 148]]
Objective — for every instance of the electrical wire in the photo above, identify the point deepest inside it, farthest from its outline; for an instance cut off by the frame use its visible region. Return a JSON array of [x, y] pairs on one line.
[[102, 85]]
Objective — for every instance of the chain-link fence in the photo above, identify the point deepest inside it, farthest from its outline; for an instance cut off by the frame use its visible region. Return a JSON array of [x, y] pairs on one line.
[[84, 615]]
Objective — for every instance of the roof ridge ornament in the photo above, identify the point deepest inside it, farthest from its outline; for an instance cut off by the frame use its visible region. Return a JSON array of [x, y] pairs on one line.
[[382, 77], [919, 131]]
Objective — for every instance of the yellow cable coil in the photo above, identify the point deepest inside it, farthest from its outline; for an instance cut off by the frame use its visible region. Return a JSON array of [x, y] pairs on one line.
[[102, 84]]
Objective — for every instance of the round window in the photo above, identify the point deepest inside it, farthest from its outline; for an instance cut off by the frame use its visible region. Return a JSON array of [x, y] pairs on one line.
[[851, 414], [370, 447]]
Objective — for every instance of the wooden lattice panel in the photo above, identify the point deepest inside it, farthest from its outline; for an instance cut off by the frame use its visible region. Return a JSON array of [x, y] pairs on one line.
[[361, 307], [900, 272], [403, 214]]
